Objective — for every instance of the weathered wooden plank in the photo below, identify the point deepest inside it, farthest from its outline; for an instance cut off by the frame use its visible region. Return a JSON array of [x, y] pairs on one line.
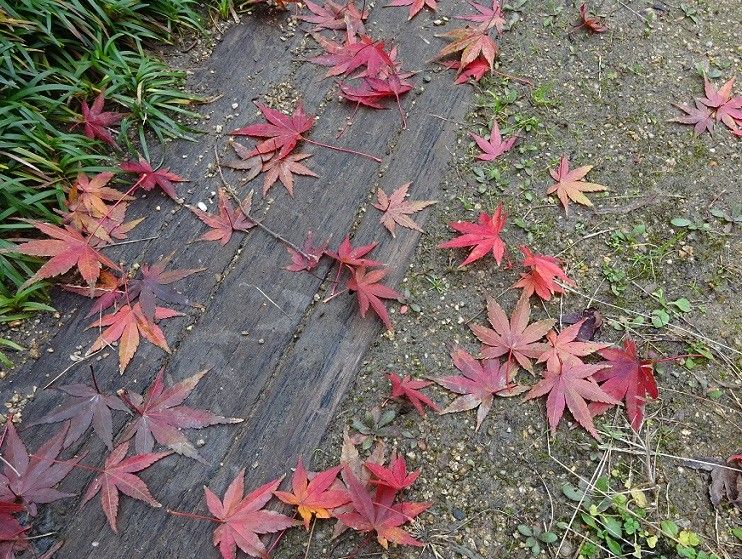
[[286, 389]]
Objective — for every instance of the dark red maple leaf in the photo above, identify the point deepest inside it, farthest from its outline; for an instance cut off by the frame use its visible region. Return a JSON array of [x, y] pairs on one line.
[[309, 257], [699, 116], [97, 122], [284, 169], [478, 384], [563, 347], [493, 147], [283, 132], [153, 286], [125, 326], [12, 533], [629, 378], [591, 23], [351, 257], [118, 476], [30, 478], [514, 338], [410, 388], [471, 42], [540, 278], [242, 519], [570, 385], [228, 221], [379, 513], [475, 70], [87, 406], [396, 210], [149, 178], [487, 18], [484, 236], [415, 5], [161, 416], [373, 91], [67, 249], [370, 292], [315, 496], [395, 476], [336, 16]]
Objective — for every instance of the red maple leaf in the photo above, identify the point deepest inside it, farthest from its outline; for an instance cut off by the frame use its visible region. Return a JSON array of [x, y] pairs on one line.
[[283, 169], [727, 109], [336, 16], [87, 406], [161, 416], [699, 116], [354, 54], [67, 249], [97, 121], [478, 384], [101, 230], [487, 18], [150, 178], [591, 23], [313, 497], [228, 221], [415, 5], [570, 385], [563, 347], [125, 326], [493, 147], [282, 131], [570, 186], [471, 43], [379, 513], [514, 338], [396, 209], [540, 278], [242, 519], [475, 70], [309, 260], [11, 531], [118, 475], [373, 91], [30, 478], [370, 292], [484, 236], [351, 257], [395, 477], [410, 388], [627, 378]]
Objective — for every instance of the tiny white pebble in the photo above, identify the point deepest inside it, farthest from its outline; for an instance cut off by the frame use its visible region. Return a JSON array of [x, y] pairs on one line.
[[235, 105], [202, 206]]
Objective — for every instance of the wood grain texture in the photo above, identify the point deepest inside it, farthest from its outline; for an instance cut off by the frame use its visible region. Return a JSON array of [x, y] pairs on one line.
[[277, 358]]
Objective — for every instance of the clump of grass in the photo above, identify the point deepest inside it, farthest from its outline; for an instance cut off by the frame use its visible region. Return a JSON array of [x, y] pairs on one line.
[[54, 55]]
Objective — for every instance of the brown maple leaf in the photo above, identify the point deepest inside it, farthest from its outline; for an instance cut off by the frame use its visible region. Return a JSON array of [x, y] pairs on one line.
[[253, 164], [396, 209], [118, 476], [242, 518], [471, 42], [370, 293], [570, 186], [125, 325], [570, 385], [478, 384], [161, 416], [283, 169], [91, 194], [228, 221], [514, 338]]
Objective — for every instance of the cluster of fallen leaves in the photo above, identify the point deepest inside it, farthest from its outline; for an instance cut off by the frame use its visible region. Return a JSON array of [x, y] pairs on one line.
[[718, 105], [30, 479]]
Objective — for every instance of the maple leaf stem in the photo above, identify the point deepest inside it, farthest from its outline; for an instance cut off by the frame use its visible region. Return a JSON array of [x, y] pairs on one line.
[[344, 150], [309, 540], [331, 297], [95, 381], [192, 515]]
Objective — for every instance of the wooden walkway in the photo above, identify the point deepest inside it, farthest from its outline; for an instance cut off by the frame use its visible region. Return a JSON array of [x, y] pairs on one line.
[[284, 370]]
